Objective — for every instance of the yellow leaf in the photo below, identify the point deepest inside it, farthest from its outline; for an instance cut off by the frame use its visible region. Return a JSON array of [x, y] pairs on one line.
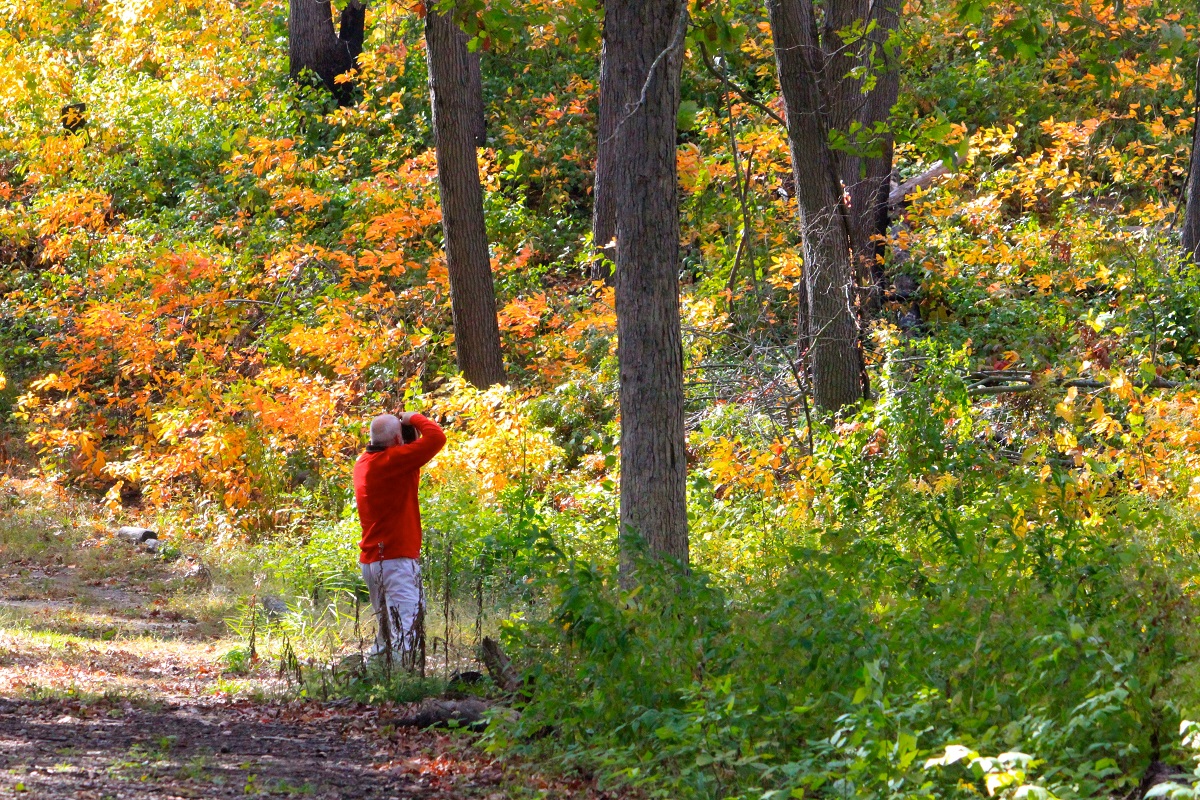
[[943, 483], [1019, 526], [1121, 387]]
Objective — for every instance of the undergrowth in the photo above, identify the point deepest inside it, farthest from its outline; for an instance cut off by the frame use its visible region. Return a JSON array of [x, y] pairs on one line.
[[980, 605]]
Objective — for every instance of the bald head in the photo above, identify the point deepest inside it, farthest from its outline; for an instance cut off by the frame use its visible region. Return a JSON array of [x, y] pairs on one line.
[[385, 430]]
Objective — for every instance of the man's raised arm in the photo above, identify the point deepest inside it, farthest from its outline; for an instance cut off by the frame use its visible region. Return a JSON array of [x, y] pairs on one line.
[[417, 454]]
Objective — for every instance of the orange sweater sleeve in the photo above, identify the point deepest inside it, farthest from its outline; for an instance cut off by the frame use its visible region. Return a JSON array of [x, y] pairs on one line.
[[407, 457]]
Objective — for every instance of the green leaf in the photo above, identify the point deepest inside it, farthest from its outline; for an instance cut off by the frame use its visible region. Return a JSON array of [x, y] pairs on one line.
[[1146, 371], [685, 120], [971, 11], [1172, 33], [939, 132]]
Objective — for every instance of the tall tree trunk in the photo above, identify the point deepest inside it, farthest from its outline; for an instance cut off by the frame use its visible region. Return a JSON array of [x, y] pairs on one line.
[[472, 292], [604, 208], [314, 44], [644, 42], [834, 355], [1191, 214], [844, 90], [872, 179]]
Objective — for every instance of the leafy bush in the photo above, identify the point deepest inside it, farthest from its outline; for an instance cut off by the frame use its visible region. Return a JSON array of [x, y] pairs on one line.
[[950, 614]]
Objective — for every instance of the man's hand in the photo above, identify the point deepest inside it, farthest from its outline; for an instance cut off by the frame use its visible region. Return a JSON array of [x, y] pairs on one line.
[[406, 417]]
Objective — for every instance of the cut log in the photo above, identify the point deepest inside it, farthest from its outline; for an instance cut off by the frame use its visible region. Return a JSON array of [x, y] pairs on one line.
[[499, 666], [135, 535], [447, 714]]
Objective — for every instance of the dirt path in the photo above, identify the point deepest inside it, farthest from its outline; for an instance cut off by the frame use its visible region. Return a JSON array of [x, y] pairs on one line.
[[60, 748], [115, 685], [128, 708]]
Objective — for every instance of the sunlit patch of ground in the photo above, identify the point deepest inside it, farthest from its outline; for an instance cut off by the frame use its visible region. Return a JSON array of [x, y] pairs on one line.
[[34, 660], [116, 681]]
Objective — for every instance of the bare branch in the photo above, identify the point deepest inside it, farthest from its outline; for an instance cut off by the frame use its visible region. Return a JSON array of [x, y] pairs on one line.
[[733, 87]]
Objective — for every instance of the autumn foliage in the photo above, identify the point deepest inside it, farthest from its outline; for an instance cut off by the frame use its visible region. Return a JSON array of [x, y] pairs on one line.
[[209, 291]]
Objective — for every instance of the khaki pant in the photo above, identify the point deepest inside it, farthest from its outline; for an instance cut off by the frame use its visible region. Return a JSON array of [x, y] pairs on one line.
[[398, 582]]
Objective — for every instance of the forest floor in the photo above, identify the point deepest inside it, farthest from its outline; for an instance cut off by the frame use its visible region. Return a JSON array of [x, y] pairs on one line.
[[114, 684]]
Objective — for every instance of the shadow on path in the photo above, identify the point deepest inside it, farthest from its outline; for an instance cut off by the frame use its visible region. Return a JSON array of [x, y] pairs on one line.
[[67, 749]]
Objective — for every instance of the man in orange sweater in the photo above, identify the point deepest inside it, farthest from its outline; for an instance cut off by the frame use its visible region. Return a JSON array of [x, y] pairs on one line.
[[386, 479]]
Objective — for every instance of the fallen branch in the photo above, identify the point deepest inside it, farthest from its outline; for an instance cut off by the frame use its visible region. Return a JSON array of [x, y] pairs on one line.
[[923, 181], [1157, 383], [1006, 389], [995, 382]]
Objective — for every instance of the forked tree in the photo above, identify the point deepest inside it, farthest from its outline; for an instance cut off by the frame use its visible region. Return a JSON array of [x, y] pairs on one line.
[[314, 44], [456, 98], [639, 101]]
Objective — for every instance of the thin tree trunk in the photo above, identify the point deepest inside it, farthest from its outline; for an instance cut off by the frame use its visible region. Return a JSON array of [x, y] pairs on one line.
[[472, 292], [644, 42], [869, 182], [834, 356], [614, 96], [1191, 215], [313, 43], [352, 28]]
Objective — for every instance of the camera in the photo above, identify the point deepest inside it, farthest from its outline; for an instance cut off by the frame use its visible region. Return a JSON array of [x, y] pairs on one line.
[[408, 433]]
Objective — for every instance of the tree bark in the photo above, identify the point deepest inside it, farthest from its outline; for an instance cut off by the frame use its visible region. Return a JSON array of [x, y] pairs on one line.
[[834, 355], [472, 291], [871, 180], [1191, 215], [314, 44], [478, 112], [844, 90], [644, 42], [604, 209], [352, 28]]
